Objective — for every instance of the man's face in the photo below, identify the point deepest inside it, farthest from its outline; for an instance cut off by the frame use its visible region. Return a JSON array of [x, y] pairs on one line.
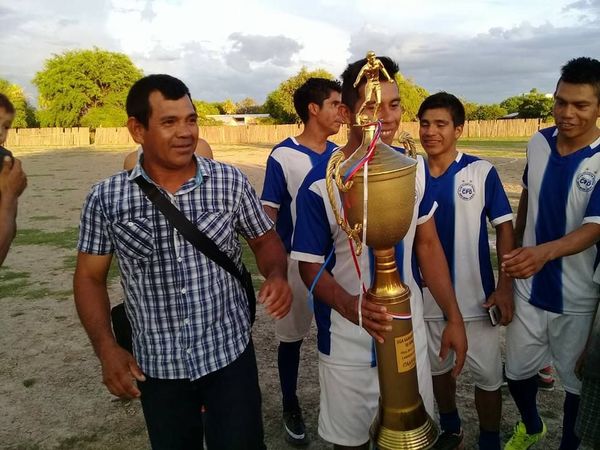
[[328, 116], [576, 108], [6, 120], [172, 133], [389, 112], [437, 132]]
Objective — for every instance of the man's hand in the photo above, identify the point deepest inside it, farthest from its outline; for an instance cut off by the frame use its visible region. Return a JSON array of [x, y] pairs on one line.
[[375, 318], [454, 337], [524, 262], [119, 370], [275, 294], [12, 179], [503, 299]]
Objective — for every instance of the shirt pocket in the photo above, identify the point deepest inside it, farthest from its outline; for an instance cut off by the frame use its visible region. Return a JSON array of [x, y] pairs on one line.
[[217, 226], [134, 238]]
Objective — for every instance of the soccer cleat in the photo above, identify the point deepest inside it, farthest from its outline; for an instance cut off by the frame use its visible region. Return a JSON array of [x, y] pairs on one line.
[[450, 441], [545, 379], [520, 440], [295, 431]]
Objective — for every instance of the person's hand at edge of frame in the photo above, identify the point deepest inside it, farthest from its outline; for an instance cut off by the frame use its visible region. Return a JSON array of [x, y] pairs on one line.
[[120, 371], [276, 296]]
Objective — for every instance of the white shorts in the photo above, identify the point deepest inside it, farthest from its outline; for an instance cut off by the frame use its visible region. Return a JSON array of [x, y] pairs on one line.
[[296, 324], [536, 336], [484, 358], [350, 398]]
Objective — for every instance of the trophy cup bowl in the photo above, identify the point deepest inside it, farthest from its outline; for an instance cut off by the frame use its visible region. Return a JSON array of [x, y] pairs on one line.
[[402, 421]]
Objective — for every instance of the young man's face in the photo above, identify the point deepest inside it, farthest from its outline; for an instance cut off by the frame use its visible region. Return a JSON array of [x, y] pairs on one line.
[[389, 112], [437, 132], [6, 120], [328, 116], [576, 109], [172, 133]]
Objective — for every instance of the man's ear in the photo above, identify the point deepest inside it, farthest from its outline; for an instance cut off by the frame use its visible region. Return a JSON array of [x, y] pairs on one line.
[[458, 131], [136, 129], [313, 109], [346, 114]]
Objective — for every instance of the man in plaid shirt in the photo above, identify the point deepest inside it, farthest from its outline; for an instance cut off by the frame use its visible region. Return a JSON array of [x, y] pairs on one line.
[[190, 318]]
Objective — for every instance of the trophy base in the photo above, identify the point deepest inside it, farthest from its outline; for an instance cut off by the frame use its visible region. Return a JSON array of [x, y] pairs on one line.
[[422, 437]]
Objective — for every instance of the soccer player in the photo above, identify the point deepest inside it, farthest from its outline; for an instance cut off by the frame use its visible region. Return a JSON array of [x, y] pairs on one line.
[[468, 191], [559, 216], [317, 103], [347, 366]]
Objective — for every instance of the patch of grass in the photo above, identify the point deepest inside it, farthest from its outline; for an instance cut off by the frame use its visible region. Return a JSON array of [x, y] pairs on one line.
[[40, 218], [64, 189], [250, 263], [79, 441], [29, 382], [12, 283], [61, 239]]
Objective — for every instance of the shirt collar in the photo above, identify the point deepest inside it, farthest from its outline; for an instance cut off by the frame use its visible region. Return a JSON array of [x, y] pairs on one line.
[[191, 184]]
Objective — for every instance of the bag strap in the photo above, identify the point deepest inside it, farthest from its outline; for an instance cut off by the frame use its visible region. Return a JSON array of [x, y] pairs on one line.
[[188, 230]]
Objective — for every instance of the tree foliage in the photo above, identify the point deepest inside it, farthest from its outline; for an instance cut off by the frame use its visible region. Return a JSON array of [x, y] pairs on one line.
[[24, 112], [280, 102], [473, 111], [85, 87], [247, 106], [533, 105], [411, 97]]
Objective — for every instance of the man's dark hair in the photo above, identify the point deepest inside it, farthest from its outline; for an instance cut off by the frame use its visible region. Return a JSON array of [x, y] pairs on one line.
[[582, 70], [314, 90], [349, 92], [444, 100], [6, 104], [138, 104]]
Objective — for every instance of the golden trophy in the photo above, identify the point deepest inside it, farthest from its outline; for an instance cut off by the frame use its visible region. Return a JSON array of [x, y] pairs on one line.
[[402, 421]]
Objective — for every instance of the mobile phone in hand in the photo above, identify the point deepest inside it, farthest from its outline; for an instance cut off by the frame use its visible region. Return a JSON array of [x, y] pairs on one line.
[[494, 315]]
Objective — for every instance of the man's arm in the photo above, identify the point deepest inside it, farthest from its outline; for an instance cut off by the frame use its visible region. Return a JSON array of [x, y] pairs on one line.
[[521, 218], [374, 317], [525, 262], [119, 368], [503, 295], [434, 269], [12, 184], [271, 259], [271, 212]]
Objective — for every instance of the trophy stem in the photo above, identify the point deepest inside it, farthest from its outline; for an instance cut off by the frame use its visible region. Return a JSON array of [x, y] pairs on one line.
[[402, 421]]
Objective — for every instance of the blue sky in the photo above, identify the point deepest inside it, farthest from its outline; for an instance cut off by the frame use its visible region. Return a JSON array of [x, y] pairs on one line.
[[482, 51]]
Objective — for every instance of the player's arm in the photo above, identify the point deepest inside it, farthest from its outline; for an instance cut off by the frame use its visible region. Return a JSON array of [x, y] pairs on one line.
[[521, 218], [374, 317], [119, 368], [12, 184], [271, 259], [503, 295], [203, 149], [434, 269], [271, 212], [525, 262]]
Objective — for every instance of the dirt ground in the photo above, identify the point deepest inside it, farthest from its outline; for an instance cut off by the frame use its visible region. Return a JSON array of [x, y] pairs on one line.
[[50, 386]]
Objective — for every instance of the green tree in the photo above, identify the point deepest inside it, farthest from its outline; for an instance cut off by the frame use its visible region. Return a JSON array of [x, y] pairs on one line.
[[205, 109], [247, 106], [411, 97], [24, 112], [85, 87], [280, 102], [532, 105], [486, 112]]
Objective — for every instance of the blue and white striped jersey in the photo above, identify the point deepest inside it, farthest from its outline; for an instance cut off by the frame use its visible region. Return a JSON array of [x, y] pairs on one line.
[[563, 195], [468, 194], [317, 233], [287, 165]]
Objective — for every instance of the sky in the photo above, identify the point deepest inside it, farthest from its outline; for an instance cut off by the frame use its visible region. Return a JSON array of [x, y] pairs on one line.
[[480, 50]]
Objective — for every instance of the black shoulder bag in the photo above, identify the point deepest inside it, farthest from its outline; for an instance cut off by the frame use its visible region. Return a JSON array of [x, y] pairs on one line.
[[121, 325]]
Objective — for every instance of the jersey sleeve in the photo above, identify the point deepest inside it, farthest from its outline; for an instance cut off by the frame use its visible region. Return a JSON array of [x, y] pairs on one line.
[[497, 206], [312, 235], [425, 193], [94, 237], [592, 212], [275, 185]]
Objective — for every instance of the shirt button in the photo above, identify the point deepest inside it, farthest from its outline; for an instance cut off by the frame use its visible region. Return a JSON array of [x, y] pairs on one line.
[[183, 291], [179, 259], [130, 224], [189, 351], [186, 321]]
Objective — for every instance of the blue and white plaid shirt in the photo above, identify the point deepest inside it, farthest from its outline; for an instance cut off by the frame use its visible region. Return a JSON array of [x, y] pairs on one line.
[[189, 316]]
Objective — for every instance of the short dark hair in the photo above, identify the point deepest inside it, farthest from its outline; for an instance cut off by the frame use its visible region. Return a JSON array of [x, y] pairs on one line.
[[314, 90], [582, 70], [138, 104], [446, 101], [6, 104], [349, 92]]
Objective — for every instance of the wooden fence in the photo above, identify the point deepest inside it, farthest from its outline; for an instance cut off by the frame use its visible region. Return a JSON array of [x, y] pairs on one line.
[[247, 134]]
